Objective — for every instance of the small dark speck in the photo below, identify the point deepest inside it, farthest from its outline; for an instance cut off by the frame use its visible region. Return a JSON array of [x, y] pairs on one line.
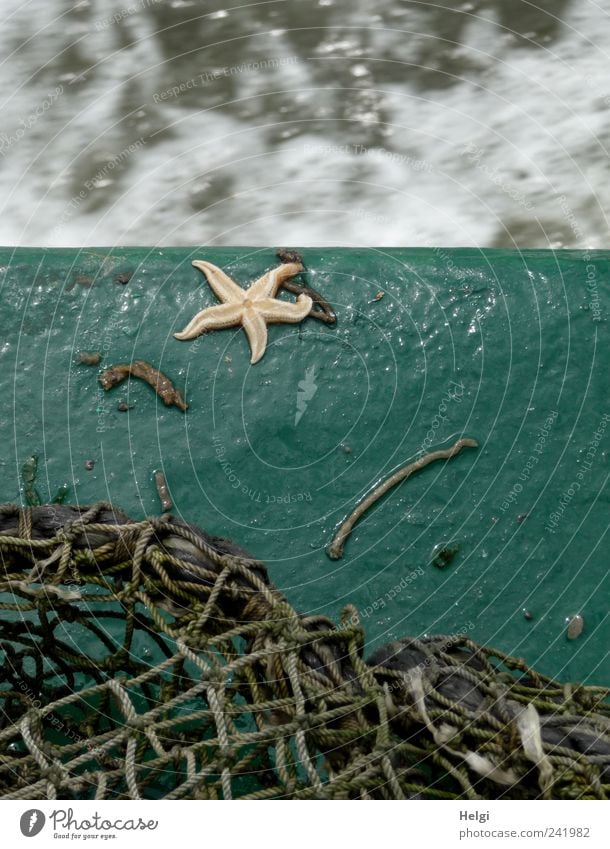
[[123, 277], [522, 517], [346, 448], [123, 406], [89, 464], [527, 614]]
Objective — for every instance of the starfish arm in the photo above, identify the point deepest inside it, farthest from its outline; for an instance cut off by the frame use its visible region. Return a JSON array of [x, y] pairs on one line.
[[212, 318], [221, 284], [284, 311], [268, 285], [256, 331]]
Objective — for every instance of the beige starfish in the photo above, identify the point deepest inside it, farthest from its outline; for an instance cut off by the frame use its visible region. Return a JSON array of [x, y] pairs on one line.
[[253, 308]]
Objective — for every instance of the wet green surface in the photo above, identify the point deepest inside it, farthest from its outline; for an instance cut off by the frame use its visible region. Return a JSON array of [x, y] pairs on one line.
[[511, 349]]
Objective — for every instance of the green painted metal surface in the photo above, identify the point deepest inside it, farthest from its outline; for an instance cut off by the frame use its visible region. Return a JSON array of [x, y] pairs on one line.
[[509, 348]]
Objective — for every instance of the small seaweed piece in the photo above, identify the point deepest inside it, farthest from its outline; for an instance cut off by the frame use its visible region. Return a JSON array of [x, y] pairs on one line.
[[61, 494], [162, 491], [335, 549], [576, 625], [89, 358], [324, 311], [29, 471], [289, 255], [162, 385]]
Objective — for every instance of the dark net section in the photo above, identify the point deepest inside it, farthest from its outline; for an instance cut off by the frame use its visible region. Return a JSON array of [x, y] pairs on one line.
[[151, 660]]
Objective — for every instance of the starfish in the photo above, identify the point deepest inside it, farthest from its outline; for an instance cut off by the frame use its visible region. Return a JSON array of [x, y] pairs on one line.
[[253, 308]]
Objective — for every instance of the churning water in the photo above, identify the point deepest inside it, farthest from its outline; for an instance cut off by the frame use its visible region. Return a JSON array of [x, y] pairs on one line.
[[304, 122]]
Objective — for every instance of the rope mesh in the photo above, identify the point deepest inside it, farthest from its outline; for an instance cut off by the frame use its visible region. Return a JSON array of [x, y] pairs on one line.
[[148, 659]]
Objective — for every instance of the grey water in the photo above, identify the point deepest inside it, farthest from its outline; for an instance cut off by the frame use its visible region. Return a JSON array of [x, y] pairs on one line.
[[304, 122]]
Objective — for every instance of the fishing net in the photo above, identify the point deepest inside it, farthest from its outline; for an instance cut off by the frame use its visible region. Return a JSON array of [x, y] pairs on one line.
[[148, 659]]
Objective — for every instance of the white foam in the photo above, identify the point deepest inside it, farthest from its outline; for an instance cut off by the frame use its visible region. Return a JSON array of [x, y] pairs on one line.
[[311, 151]]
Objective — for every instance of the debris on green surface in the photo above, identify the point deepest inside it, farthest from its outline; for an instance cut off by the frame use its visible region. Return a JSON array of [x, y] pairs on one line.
[[29, 472], [576, 625], [158, 381], [444, 555], [335, 549], [89, 358], [162, 490], [61, 494]]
